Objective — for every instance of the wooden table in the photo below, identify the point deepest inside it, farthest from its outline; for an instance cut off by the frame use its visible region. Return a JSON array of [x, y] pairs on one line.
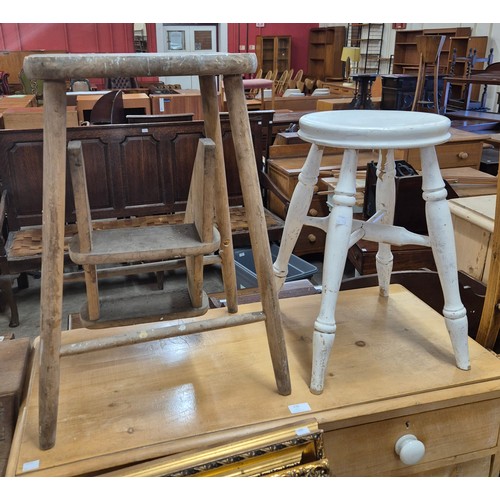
[[17, 101], [391, 373], [85, 103]]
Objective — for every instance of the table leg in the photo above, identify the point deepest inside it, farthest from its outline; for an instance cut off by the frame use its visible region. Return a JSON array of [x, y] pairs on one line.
[[336, 247], [442, 240]]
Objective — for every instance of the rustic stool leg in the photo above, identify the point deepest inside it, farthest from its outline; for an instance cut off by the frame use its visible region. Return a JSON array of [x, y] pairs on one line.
[[336, 247], [208, 90], [8, 296], [442, 239], [252, 199], [54, 184], [297, 211], [385, 201]]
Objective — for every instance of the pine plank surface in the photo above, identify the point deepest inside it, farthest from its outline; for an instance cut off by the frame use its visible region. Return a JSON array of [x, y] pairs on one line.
[[391, 357]]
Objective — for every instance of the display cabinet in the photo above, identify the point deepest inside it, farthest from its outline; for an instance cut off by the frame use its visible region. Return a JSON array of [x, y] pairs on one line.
[[274, 53]]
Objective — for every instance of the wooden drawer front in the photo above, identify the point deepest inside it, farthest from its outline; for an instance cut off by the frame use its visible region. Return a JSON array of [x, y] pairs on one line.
[[450, 155], [310, 240], [368, 450], [341, 91]]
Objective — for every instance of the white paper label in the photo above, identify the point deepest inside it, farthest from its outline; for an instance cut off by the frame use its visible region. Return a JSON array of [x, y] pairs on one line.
[[299, 408], [302, 431], [34, 464]]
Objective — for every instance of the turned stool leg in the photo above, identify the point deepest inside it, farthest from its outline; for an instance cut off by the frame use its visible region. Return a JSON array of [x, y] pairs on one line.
[[297, 211], [385, 201], [442, 239], [336, 247]]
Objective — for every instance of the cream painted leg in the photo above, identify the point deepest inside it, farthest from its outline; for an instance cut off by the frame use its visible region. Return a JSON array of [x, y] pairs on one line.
[[336, 247], [385, 202], [442, 239], [299, 206]]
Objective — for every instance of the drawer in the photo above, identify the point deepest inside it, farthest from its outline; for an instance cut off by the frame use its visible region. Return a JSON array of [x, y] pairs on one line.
[[310, 240], [464, 154], [368, 449], [342, 91]]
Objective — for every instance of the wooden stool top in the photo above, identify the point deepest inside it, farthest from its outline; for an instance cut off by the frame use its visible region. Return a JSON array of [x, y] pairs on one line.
[[65, 66], [369, 129]]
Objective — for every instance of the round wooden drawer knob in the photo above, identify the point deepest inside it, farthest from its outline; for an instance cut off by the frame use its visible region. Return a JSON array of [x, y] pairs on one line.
[[313, 212], [410, 449], [316, 189], [311, 238], [463, 155]]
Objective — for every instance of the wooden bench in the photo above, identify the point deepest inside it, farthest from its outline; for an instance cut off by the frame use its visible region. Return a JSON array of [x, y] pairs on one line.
[[138, 174]]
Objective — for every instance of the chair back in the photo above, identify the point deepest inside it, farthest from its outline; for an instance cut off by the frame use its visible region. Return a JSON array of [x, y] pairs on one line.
[[82, 85], [121, 82], [108, 109]]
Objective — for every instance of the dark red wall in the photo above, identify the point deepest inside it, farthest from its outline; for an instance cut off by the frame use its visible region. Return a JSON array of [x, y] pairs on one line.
[[119, 37], [246, 34], [81, 37]]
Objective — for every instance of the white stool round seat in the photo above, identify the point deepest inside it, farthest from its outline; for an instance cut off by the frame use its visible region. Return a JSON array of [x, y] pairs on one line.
[[386, 131], [367, 129]]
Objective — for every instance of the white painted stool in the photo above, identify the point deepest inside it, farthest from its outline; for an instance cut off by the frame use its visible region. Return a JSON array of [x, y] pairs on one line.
[[386, 131]]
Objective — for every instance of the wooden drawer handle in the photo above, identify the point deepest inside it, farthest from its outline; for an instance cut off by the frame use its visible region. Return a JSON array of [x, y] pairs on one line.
[[463, 155], [316, 189], [313, 212], [409, 449], [312, 238]]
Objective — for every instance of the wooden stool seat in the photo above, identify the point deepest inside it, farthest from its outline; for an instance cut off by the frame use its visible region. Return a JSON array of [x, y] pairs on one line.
[[113, 246], [386, 131]]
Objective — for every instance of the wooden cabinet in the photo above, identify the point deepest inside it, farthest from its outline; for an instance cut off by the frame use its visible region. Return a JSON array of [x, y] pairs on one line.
[[463, 149], [325, 50], [185, 101], [274, 53], [473, 224], [406, 57], [391, 373]]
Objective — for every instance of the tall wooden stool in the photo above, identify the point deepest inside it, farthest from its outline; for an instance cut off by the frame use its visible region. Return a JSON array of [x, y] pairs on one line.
[[386, 131], [55, 69]]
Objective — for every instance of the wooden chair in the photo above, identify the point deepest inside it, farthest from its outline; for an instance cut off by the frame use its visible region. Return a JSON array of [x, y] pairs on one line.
[[296, 80], [192, 240], [4, 83], [429, 48], [54, 69], [108, 109], [32, 86], [80, 85], [281, 83], [121, 82]]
